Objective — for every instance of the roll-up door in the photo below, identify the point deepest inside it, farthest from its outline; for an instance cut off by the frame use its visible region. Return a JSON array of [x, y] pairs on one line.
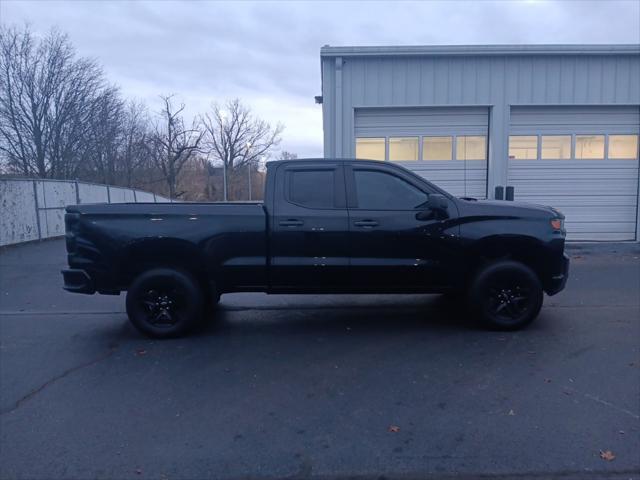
[[581, 160], [447, 146]]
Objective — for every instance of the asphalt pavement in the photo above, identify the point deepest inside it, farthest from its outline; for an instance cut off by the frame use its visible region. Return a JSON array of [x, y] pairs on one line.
[[368, 386]]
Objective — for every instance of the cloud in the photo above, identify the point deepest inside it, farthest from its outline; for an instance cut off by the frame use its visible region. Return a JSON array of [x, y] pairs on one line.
[[267, 53]]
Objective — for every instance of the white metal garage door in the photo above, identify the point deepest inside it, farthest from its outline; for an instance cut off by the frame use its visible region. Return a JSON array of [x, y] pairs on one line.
[[581, 160], [447, 146]]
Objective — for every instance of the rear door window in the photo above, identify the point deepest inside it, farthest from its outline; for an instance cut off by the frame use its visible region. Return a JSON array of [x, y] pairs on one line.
[[312, 188]]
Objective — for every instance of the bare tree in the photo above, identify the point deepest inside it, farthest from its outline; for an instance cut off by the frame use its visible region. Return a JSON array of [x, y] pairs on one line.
[[104, 138], [172, 144], [47, 98], [284, 155], [59, 118], [134, 156], [236, 138]]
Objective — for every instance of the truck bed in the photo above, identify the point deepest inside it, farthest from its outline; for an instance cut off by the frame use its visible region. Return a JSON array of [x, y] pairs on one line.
[[227, 238]]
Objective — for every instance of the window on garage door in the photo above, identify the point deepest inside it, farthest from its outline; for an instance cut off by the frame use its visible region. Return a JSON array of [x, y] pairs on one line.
[[589, 147], [437, 148], [523, 147], [471, 147], [623, 147], [555, 147], [403, 149], [370, 148]]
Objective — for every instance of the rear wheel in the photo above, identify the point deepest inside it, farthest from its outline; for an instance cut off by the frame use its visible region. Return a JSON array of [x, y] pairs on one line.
[[164, 302], [506, 295]]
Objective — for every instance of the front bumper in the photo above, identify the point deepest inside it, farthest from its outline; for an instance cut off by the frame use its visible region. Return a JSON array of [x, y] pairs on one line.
[[558, 280], [78, 281]]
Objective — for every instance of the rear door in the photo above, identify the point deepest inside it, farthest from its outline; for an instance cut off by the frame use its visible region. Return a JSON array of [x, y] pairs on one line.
[[309, 227], [392, 248]]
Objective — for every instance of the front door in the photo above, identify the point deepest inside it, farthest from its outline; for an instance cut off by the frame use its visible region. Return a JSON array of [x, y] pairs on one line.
[[309, 248], [391, 248]]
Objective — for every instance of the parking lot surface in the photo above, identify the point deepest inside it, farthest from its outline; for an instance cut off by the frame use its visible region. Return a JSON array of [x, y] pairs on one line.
[[398, 386]]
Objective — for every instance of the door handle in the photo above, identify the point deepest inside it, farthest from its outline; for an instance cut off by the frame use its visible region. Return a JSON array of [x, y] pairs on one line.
[[366, 223], [292, 222]]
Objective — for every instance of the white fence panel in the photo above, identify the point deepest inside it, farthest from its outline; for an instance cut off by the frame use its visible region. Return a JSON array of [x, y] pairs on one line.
[[121, 195], [142, 197], [52, 198], [34, 209], [18, 217], [58, 194], [89, 193]]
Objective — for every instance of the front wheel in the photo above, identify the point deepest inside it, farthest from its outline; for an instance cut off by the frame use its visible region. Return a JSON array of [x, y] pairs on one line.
[[506, 295], [164, 302]]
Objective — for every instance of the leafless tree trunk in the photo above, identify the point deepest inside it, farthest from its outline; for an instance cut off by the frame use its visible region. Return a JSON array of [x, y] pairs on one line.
[[236, 138], [172, 144]]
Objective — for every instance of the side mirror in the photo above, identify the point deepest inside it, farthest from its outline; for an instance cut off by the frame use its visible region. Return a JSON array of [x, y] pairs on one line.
[[437, 201], [434, 208]]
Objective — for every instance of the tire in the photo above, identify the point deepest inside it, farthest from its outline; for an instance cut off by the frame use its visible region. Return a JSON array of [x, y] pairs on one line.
[[506, 295], [165, 302]]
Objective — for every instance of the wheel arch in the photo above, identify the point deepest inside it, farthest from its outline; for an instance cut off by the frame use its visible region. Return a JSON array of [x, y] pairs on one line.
[[521, 248], [161, 252]]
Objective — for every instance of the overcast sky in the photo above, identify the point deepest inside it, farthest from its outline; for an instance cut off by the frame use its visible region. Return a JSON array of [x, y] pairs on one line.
[[268, 53]]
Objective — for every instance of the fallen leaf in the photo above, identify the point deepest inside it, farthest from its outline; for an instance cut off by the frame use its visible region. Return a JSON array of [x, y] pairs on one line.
[[607, 455], [394, 428]]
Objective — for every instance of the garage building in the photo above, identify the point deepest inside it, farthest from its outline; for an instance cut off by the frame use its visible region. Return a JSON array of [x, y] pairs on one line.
[[558, 123]]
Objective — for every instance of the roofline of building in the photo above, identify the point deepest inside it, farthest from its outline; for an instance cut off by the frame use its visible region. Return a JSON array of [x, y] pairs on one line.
[[464, 50]]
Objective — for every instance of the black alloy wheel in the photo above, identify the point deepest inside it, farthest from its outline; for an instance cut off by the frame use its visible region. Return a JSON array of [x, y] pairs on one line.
[[506, 295], [164, 302]]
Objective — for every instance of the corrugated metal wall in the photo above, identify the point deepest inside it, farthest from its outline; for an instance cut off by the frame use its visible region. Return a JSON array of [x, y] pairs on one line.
[[352, 80], [498, 82]]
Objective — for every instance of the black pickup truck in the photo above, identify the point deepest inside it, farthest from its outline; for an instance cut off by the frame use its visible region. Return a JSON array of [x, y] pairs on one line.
[[326, 226]]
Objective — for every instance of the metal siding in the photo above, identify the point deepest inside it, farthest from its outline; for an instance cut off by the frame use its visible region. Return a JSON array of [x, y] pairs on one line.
[[328, 107], [574, 119], [371, 122], [598, 197], [499, 77]]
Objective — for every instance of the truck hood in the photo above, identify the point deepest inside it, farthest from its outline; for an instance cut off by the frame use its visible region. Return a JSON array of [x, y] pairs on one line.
[[506, 208]]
